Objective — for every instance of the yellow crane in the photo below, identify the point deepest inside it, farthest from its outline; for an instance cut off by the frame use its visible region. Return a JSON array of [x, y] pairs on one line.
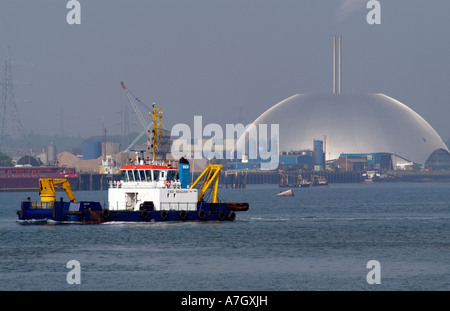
[[211, 179], [284, 178], [47, 188], [211, 173], [156, 132]]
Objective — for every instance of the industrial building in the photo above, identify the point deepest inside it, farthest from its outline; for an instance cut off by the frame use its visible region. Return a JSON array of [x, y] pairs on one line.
[[370, 162], [358, 124], [355, 124]]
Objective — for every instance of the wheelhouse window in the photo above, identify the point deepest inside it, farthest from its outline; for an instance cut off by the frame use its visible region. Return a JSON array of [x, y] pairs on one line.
[[124, 175], [142, 175], [136, 174], [171, 175], [130, 175], [148, 173], [156, 175]]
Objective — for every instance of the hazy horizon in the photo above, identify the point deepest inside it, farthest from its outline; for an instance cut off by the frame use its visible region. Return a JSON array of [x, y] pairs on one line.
[[228, 61]]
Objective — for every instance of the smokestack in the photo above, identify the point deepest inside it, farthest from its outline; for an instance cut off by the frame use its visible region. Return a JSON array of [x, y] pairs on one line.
[[340, 64], [334, 64], [337, 62]]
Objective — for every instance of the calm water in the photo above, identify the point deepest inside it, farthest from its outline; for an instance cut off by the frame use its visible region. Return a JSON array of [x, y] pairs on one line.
[[320, 239]]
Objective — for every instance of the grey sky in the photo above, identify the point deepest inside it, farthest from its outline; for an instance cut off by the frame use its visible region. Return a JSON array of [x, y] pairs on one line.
[[226, 60]]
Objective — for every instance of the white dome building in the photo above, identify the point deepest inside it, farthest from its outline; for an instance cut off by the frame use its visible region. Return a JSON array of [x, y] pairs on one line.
[[352, 123]]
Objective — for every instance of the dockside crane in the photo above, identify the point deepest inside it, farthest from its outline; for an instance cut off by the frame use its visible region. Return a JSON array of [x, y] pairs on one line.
[[141, 118]]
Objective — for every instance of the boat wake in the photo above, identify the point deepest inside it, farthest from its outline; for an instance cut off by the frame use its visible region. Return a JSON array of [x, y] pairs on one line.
[[275, 219]]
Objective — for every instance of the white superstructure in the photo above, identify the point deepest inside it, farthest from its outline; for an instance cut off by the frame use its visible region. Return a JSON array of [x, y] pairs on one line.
[[150, 186]]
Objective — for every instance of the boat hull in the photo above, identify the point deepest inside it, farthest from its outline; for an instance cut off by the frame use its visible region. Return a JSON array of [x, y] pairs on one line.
[[92, 213], [320, 185], [27, 178], [29, 183]]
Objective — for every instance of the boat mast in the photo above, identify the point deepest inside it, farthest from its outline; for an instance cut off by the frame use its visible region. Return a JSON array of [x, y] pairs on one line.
[[156, 132]]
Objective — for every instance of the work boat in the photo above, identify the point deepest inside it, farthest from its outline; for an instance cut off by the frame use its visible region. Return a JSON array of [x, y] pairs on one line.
[[147, 192], [160, 191]]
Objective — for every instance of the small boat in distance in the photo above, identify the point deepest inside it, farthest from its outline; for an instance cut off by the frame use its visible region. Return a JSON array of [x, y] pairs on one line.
[[319, 181], [287, 193], [284, 180], [303, 183]]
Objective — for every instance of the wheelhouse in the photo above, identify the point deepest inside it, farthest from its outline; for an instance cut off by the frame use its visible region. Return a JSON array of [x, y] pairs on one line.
[[156, 175]]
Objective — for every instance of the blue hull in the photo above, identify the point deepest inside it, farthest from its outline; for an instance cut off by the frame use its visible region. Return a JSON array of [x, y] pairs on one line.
[[92, 212]]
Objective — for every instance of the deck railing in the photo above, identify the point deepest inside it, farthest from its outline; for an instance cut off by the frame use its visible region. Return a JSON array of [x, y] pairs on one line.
[[42, 204]]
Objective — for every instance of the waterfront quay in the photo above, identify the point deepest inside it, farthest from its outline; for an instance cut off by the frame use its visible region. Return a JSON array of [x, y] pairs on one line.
[[241, 178]]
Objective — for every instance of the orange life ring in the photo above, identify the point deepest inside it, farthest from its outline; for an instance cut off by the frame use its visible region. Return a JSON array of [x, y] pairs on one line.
[[168, 183]]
